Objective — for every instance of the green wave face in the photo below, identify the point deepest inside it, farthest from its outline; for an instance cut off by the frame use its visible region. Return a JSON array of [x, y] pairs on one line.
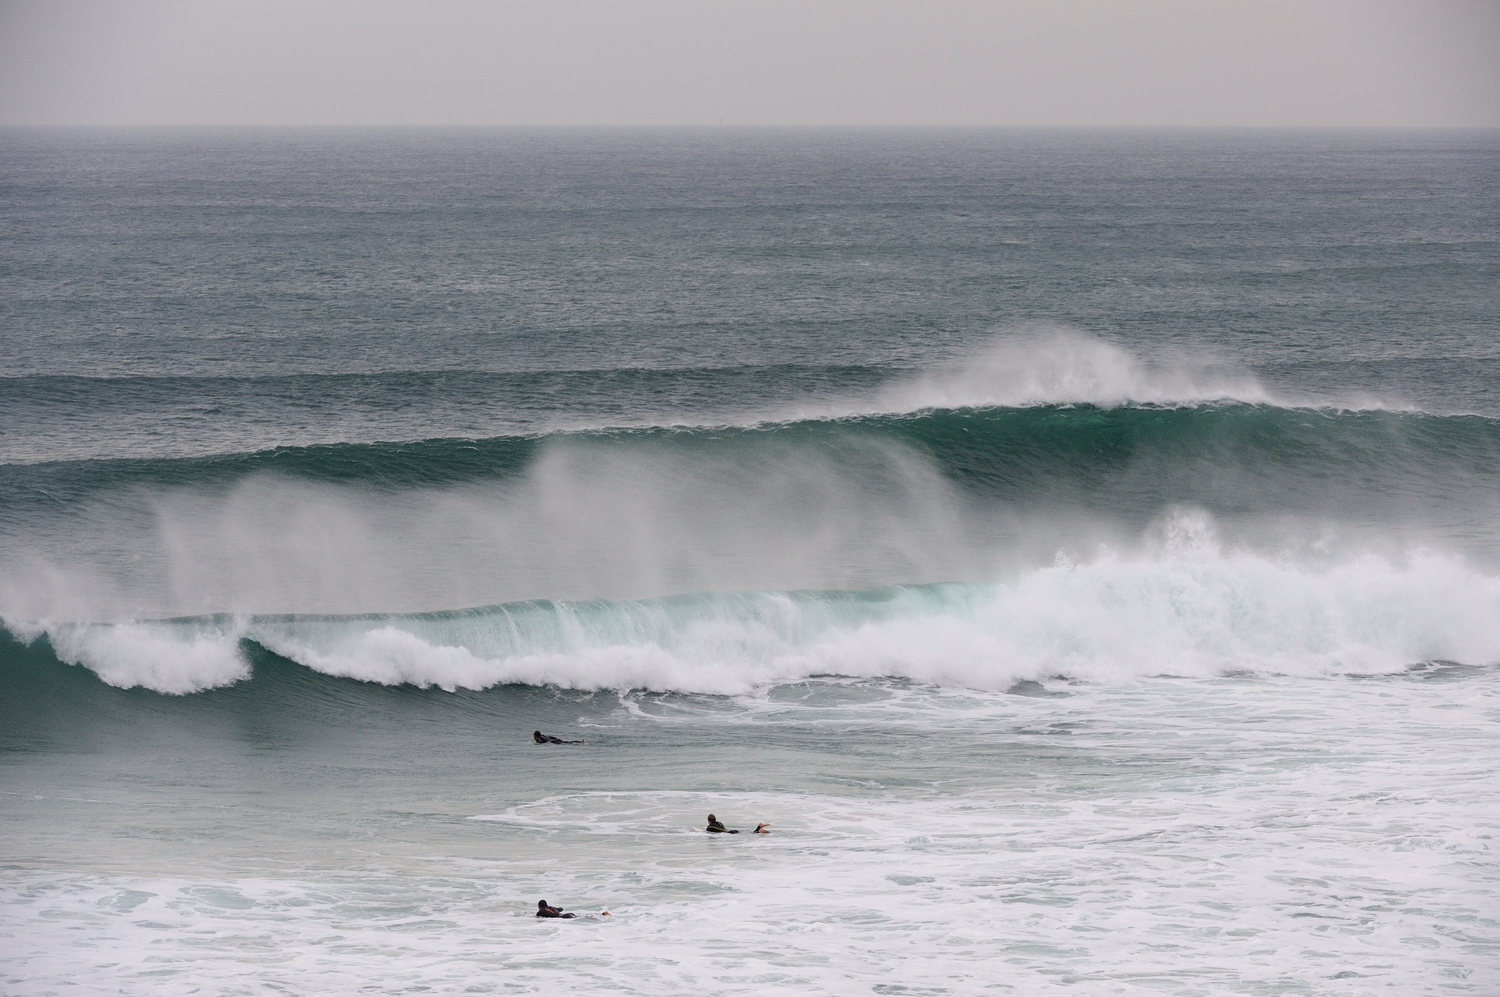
[[1232, 458]]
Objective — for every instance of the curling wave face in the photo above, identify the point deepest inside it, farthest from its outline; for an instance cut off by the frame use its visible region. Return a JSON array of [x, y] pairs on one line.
[[1191, 610]]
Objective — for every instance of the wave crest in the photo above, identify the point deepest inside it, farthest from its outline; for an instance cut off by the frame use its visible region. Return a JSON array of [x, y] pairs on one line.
[[1059, 366], [1191, 609]]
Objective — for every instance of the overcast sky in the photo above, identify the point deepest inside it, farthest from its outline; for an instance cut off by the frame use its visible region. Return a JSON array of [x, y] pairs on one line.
[[1153, 62]]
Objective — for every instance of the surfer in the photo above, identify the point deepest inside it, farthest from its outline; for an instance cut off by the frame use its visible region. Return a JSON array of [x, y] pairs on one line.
[[541, 738], [716, 826], [544, 909]]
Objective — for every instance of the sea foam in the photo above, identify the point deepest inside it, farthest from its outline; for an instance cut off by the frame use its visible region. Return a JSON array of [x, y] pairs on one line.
[[1186, 607], [165, 657]]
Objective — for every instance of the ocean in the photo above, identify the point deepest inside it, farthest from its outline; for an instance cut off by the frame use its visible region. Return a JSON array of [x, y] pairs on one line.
[[1082, 548]]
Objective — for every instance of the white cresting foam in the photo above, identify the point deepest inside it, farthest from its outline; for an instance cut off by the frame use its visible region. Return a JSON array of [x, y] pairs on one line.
[[1061, 366], [1028, 367], [1055, 365], [1189, 610], [1106, 621], [160, 656]]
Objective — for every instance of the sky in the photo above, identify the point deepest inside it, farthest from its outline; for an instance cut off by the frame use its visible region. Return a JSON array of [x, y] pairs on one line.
[[1067, 63]]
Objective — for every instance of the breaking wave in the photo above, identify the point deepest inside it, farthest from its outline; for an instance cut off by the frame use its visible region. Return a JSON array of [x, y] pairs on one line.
[[1056, 506], [1192, 610]]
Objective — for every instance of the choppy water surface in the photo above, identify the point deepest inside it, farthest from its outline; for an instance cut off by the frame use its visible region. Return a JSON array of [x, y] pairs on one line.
[[1081, 548], [1236, 835]]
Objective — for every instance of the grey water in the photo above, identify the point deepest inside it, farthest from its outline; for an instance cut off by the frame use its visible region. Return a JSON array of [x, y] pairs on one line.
[[263, 288], [1080, 546]]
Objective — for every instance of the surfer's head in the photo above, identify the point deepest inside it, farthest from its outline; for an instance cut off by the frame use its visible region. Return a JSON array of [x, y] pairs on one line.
[[536, 736], [541, 905], [712, 818]]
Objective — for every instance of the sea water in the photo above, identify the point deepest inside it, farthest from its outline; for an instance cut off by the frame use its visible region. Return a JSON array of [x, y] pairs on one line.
[[1080, 547]]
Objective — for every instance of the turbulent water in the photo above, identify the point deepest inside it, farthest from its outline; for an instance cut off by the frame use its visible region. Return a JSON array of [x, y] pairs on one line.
[[1084, 549]]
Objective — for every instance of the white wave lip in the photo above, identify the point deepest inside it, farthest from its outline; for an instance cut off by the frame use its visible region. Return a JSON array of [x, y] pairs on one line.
[[1106, 621], [1189, 609], [1062, 366], [1036, 365], [158, 656], [1057, 365]]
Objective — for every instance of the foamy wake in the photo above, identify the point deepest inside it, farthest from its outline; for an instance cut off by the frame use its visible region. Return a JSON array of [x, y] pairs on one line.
[[1189, 610]]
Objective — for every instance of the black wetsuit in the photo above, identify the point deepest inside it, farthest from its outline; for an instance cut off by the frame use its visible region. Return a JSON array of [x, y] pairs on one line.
[[552, 912], [541, 738], [717, 827]]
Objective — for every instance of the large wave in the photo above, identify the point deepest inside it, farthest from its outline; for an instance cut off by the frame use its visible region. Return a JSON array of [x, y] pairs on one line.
[[1191, 609], [942, 495], [69, 417], [946, 499]]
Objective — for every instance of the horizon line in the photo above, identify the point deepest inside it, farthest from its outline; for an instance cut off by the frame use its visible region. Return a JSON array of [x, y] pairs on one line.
[[727, 126]]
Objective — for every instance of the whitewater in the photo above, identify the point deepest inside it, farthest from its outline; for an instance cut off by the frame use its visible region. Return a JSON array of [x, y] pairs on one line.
[[1081, 549]]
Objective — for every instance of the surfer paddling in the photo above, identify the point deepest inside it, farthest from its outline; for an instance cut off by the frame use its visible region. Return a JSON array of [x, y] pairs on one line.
[[541, 738], [544, 909], [716, 826]]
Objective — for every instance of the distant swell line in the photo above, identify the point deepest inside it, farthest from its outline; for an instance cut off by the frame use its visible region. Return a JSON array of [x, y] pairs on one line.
[[968, 443]]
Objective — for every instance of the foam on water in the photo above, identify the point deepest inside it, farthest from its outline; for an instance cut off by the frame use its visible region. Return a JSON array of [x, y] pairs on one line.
[[1182, 837], [1188, 608], [166, 658]]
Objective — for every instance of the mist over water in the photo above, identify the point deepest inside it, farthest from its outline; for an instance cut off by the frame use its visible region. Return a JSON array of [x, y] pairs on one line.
[[1083, 549]]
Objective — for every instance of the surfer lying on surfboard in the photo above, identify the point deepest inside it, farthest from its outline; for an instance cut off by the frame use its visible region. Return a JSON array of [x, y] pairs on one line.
[[715, 826], [541, 738], [544, 909]]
